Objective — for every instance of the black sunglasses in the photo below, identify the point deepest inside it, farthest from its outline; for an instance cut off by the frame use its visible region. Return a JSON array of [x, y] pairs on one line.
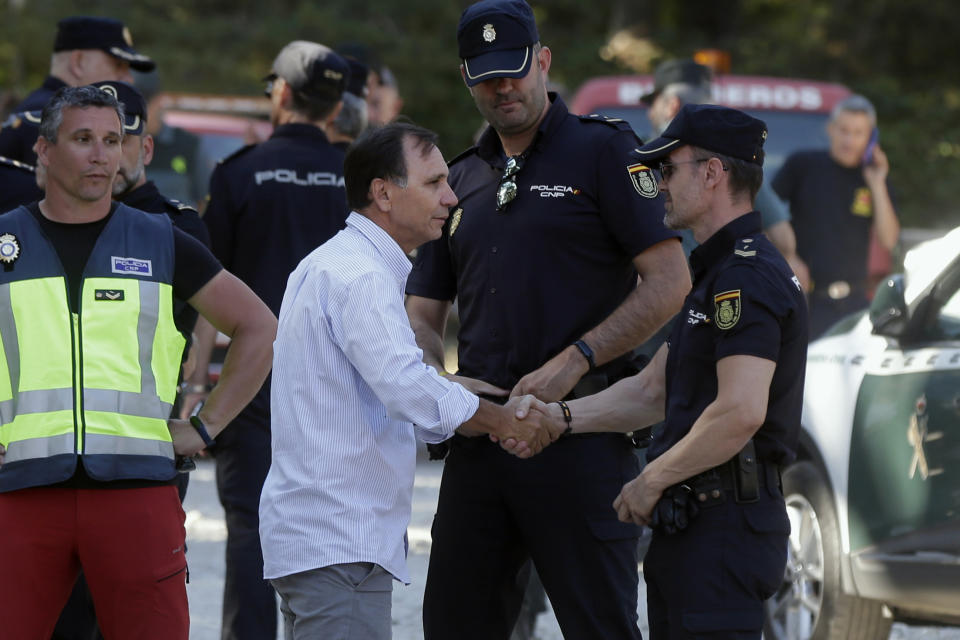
[[507, 189]]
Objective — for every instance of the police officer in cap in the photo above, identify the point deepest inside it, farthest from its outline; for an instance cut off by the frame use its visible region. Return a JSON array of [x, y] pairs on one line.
[[132, 188], [542, 253], [270, 205], [729, 384], [86, 50]]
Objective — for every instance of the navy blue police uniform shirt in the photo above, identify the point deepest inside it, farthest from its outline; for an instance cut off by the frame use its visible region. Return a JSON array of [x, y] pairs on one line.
[[20, 131], [148, 198], [557, 260], [745, 300], [18, 184], [273, 203]]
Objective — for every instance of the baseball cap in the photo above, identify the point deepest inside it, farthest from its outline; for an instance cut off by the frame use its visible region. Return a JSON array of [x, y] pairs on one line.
[[678, 71], [719, 129], [495, 39], [311, 69], [134, 106], [357, 84], [106, 34]]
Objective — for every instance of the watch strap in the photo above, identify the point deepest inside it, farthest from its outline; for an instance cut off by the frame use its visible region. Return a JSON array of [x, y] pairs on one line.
[[587, 353], [202, 430]]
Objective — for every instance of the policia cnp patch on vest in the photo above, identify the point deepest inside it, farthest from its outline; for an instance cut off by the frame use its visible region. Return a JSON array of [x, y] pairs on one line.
[[643, 180], [727, 308]]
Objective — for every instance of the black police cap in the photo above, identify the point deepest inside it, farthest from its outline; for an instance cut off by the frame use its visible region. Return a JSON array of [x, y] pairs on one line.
[[719, 129], [134, 106], [357, 84], [106, 34], [678, 71], [495, 40]]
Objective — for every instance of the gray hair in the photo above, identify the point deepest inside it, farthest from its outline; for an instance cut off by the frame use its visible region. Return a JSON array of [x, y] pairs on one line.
[[78, 98], [689, 93], [855, 104], [352, 119]]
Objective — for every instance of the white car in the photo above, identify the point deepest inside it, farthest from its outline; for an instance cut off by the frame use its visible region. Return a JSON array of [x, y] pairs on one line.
[[874, 497]]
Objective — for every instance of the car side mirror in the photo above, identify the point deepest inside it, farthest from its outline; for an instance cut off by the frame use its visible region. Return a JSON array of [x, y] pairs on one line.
[[888, 311]]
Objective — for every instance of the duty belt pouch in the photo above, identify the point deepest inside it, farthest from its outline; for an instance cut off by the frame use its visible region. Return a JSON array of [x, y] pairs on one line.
[[745, 477]]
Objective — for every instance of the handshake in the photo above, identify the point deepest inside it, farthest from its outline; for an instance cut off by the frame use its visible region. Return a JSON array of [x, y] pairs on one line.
[[526, 426]]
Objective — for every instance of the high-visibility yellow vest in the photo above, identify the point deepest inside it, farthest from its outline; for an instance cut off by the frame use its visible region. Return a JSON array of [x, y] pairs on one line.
[[96, 386]]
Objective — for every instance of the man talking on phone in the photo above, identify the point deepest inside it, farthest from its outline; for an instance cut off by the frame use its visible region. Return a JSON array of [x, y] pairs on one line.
[[837, 198]]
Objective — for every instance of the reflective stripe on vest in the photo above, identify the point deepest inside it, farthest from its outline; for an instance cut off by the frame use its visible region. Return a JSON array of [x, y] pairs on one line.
[[101, 383]]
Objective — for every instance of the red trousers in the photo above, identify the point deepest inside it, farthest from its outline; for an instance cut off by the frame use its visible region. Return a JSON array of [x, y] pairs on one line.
[[129, 543]]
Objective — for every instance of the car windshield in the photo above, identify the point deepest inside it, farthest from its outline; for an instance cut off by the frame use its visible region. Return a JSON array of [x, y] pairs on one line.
[[789, 131]]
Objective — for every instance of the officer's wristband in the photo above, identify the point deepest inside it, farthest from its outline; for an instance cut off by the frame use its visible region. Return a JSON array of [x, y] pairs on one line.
[[193, 387], [202, 430], [567, 417], [587, 352]]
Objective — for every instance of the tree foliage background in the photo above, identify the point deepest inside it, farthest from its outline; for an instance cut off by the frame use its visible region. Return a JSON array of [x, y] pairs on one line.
[[902, 55]]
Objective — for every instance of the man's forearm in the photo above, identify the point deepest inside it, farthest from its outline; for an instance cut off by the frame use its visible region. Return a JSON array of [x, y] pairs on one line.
[[656, 299], [206, 337], [245, 368], [885, 222]]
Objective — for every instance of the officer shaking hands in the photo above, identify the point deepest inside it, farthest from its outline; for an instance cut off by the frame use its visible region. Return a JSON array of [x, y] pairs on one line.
[[729, 385]]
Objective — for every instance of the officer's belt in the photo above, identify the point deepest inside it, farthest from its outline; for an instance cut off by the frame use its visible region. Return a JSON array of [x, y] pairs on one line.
[[710, 487], [837, 290]]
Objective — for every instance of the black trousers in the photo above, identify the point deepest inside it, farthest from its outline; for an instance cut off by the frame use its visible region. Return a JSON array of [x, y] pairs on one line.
[[495, 511], [243, 459], [710, 580]]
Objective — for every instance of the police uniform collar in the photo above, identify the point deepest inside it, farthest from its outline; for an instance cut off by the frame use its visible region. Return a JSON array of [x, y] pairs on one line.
[[299, 130], [720, 244], [142, 196], [53, 83], [490, 149]]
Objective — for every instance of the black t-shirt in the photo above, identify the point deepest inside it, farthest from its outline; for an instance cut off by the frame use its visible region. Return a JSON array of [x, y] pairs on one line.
[[194, 266], [745, 301], [832, 212], [532, 278]]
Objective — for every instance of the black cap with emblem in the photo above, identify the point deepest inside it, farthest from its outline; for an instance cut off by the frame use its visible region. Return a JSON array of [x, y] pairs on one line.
[[719, 129], [495, 39], [134, 106], [312, 70], [106, 34]]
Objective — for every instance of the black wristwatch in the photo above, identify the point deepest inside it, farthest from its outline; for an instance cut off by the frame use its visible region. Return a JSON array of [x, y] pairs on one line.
[[587, 353], [202, 430]]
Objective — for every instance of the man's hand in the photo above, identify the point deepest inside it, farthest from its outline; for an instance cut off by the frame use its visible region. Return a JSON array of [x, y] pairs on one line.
[[556, 378], [478, 387], [876, 171], [186, 440], [527, 429], [551, 418], [636, 501]]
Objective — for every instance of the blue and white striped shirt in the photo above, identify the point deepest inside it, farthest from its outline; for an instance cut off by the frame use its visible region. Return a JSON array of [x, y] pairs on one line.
[[349, 384]]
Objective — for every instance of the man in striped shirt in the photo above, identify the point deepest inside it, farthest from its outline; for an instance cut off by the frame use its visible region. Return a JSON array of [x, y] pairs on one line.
[[351, 394]]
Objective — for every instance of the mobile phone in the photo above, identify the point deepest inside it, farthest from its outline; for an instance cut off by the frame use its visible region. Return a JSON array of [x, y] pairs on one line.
[[871, 145]]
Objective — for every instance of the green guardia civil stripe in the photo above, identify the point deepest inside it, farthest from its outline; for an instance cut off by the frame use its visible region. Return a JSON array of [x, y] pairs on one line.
[[39, 447], [125, 445]]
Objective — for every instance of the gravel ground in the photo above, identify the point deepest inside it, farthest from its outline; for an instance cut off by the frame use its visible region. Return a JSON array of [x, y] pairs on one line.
[[206, 534]]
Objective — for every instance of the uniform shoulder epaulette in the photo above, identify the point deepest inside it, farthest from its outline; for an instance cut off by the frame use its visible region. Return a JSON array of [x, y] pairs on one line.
[[10, 162], [180, 207], [236, 154], [463, 154], [745, 248], [14, 120], [617, 123]]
